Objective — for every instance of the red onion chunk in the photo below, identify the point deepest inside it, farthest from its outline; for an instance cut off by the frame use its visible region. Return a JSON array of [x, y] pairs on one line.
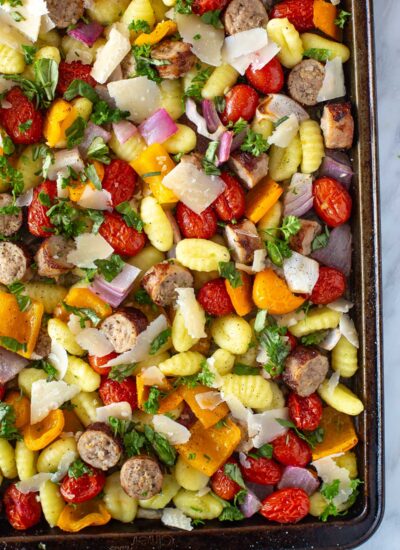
[[225, 145], [337, 165], [300, 478], [211, 115], [124, 130], [87, 33], [251, 505], [158, 127], [115, 291], [337, 253], [238, 140], [261, 491], [93, 131], [298, 198], [10, 365]]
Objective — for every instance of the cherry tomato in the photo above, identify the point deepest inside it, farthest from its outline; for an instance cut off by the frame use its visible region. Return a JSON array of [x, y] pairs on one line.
[[196, 226], [96, 363], [330, 286], [240, 102], [288, 505], [222, 485], [263, 471], [292, 340], [2, 391], [202, 6], [214, 298], [22, 111], [290, 450], [124, 240], [120, 181], [75, 70], [111, 391], [23, 510], [306, 412], [38, 221], [84, 487], [332, 202], [269, 79], [299, 12], [231, 204]]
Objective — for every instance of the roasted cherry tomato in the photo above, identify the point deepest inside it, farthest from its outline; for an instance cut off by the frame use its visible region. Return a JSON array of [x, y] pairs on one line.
[[97, 362], [124, 240], [2, 391], [111, 391], [84, 487], [120, 181], [299, 12], [264, 471], [332, 202], [202, 6], [231, 204], [330, 286], [288, 505], [269, 79], [222, 485], [38, 221], [240, 102], [214, 298], [23, 510], [22, 121], [292, 340], [196, 226], [290, 450], [306, 412], [75, 70]]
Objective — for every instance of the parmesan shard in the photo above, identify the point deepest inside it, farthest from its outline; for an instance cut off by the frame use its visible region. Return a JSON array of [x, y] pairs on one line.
[[209, 400], [110, 56], [89, 247], [31, 12], [96, 199], [176, 433], [329, 471], [139, 96], [284, 133], [301, 273], [121, 410], [333, 85], [49, 396], [94, 342], [208, 47], [172, 517], [58, 358]]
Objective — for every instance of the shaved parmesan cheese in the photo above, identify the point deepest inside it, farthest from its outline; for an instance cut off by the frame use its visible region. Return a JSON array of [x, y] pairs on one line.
[[64, 159], [208, 47], [328, 471], [89, 247], [67, 459], [58, 358], [285, 132], [94, 341], [5, 85], [172, 517], [341, 305], [96, 199], [33, 484], [193, 187], [46, 24], [31, 12], [289, 319], [333, 85], [194, 317], [264, 56], [140, 96], [301, 273], [175, 433], [331, 339], [348, 330], [238, 410], [276, 106], [259, 260], [266, 426], [121, 410], [333, 382], [217, 378], [74, 324], [209, 400], [49, 396], [242, 48], [25, 199], [148, 513], [200, 122], [110, 56], [152, 376]]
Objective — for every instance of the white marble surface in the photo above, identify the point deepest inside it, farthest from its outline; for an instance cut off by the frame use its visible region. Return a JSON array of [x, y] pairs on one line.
[[387, 19]]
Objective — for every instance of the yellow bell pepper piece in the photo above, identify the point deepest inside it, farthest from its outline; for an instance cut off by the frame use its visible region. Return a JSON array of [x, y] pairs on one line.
[[163, 29], [60, 116], [38, 436], [207, 417], [76, 517], [152, 165], [76, 190], [83, 297]]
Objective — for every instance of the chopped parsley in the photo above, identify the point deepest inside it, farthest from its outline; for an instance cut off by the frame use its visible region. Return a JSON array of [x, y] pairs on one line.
[[197, 84], [245, 370], [265, 451], [110, 268], [97, 217], [342, 18], [25, 126], [159, 341], [210, 159], [47, 367], [8, 146], [18, 290], [78, 469], [99, 150], [141, 297], [29, 53], [330, 491], [312, 438], [228, 271], [212, 18], [232, 471], [197, 37], [153, 401], [319, 54], [321, 241], [205, 376], [314, 338], [145, 64], [278, 248], [7, 423], [84, 314], [277, 349], [66, 219], [120, 372], [131, 218], [12, 344], [183, 6], [11, 177], [133, 442], [139, 25], [238, 126], [230, 513], [254, 143], [104, 114]]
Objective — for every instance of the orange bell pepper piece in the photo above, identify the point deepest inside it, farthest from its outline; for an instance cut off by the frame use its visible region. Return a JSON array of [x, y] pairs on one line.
[[22, 326], [60, 116], [38, 436], [324, 17], [262, 198], [85, 298], [143, 389], [240, 296], [152, 165], [76, 517], [170, 402], [272, 293], [339, 434], [163, 29], [208, 449], [21, 407], [207, 417], [76, 190]]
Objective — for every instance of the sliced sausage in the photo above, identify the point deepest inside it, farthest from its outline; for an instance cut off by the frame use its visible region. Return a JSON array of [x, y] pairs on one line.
[[128, 66], [243, 239], [98, 447], [141, 477], [178, 57], [305, 81], [337, 125], [123, 327], [43, 343], [65, 13], [51, 258], [302, 241], [13, 263], [161, 280], [243, 15], [9, 223], [249, 169], [305, 370]]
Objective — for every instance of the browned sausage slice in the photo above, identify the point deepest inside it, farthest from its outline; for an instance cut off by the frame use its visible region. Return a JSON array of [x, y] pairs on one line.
[[123, 327], [141, 477], [337, 125], [243, 239], [98, 447], [305, 81], [64, 13], [9, 223], [249, 168], [51, 258], [178, 57], [302, 241], [161, 281], [13, 263], [305, 370], [243, 15]]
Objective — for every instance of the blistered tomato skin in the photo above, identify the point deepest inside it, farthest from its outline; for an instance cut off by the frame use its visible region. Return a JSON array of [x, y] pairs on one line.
[[112, 391], [240, 102], [75, 70], [23, 510], [290, 450], [38, 222], [83, 488], [231, 204], [196, 226], [124, 240], [200, 7], [269, 79], [288, 505], [263, 471], [332, 202], [120, 181], [330, 286], [214, 298], [2, 391], [299, 12], [222, 485], [22, 111], [305, 412], [97, 363]]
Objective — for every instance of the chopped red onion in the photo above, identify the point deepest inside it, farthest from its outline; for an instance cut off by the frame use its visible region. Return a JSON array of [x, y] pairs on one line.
[[337, 253], [225, 145], [238, 140], [124, 130], [87, 33], [300, 478], [200, 122], [158, 127], [337, 165], [298, 198], [92, 131], [211, 115], [115, 291], [261, 491], [10, 365], [250, 505]]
